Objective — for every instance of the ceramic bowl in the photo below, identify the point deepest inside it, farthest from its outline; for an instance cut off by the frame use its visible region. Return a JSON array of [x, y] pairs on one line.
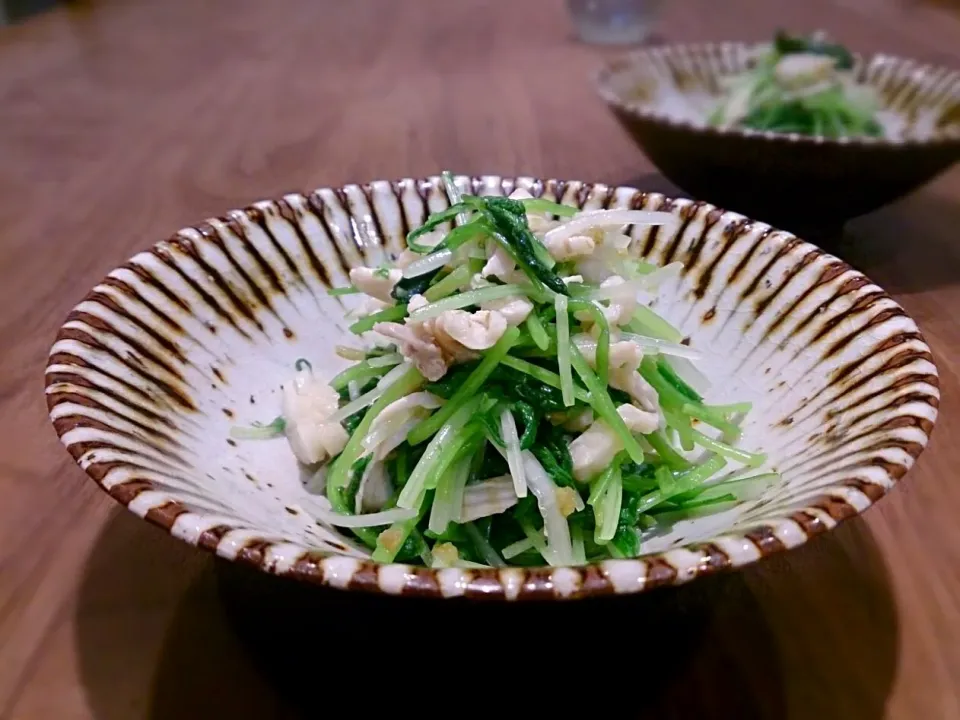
[[152, 369], [663, 95]]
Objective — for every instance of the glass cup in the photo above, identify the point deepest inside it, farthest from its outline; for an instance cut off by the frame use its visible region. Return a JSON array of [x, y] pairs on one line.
[[614, 22]]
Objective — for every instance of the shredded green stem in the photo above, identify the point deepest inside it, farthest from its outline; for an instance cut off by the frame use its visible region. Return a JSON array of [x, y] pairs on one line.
[[601, 402], [439, 453], [391, 314], [259, 431], [607, 509], [681, 423], [543, 375], [646, 322], [683, 483], [542, 205], [471, 385], [338, 477], [603, 341], [359, 373], [728, 451], [465, 299], [398, 532], [448, 284], [563, 351], [731, 409], [486, 550], [711, 417], [537, 332], [669, 397], [599, 486], [664, 449], [535, 537], [348, 290]]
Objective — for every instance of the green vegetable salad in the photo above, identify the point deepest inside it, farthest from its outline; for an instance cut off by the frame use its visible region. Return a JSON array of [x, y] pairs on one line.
[[514, 399], [802, 85]]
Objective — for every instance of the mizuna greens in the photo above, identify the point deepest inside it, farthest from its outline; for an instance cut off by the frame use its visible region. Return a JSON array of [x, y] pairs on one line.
[[800, 85], [513, 398]]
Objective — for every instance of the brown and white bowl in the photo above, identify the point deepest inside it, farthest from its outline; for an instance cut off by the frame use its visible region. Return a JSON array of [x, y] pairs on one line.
[[663, 95], [150, 371]]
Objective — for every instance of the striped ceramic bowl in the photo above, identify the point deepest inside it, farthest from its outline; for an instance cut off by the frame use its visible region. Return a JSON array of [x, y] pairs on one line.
[[662, 96], [152, 369]]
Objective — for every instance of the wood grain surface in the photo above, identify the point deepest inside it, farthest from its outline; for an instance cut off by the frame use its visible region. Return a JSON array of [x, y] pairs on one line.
[[122, 121]]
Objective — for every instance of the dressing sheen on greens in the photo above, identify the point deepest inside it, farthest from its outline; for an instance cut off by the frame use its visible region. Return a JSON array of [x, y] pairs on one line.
[[513, 399]]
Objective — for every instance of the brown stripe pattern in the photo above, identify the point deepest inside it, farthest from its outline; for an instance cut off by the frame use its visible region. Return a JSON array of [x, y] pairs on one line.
[[153, 367]]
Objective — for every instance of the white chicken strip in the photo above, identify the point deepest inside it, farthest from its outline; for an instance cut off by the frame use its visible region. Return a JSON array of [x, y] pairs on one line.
[[632, 383], [514, 309], [499, 263], [306, 404], [619, 309], [594, 450], [625, 359], [623, 353], [478, 330], [377, 283], [578, 246]]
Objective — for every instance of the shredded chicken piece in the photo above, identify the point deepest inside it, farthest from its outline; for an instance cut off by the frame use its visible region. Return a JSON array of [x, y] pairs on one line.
[[631, 382], [375, 282], [623, 353], [594, 450], [639, 421], [514, 309], [499, 264], [416, 302], [477, 330], [451, 337], [306, 404], [620, 309], [479, 281], [368, 306], [417, 346], [566, 501], [571, 247]]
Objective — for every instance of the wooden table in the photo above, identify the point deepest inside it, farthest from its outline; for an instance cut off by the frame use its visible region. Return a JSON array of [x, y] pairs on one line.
[[122, 121]]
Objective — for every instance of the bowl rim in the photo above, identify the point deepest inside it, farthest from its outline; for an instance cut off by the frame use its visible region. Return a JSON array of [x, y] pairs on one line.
[[600, 80], [671, 567]]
